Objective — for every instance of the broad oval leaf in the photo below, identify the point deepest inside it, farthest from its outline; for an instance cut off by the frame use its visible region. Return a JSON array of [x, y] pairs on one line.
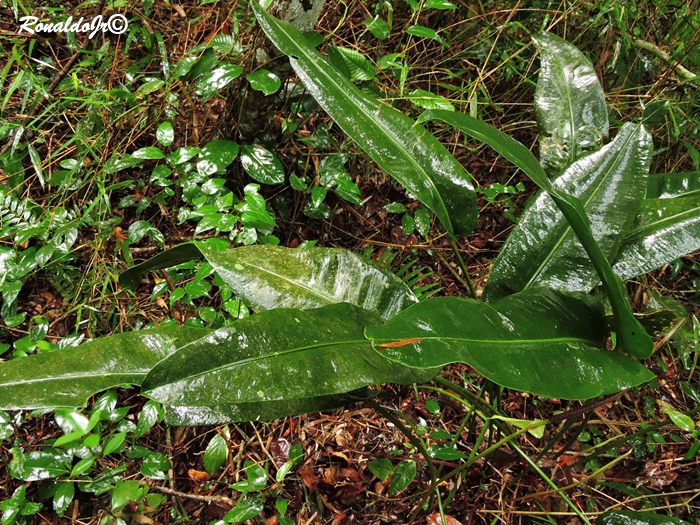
[[265, 81], [216, 80], [569, 104], [664, 230], [216, 156], [404, 474], [268, 277], [671, 185], [262, 165], [68, 377], [543, 250], [542, 341], [215, 454], [405, 150], [280, 354]]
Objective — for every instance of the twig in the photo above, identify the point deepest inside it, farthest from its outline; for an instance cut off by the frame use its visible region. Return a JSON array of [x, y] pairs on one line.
[[209, 499]]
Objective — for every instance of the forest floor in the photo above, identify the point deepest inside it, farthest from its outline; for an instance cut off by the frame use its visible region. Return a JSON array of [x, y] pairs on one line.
[[624, 453]]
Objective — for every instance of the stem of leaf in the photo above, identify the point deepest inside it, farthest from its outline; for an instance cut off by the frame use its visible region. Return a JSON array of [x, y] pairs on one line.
[[415, 441], [463, 267], [505, 428]]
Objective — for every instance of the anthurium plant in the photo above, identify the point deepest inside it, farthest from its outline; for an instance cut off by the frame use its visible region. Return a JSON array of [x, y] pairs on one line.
[[330, 324]]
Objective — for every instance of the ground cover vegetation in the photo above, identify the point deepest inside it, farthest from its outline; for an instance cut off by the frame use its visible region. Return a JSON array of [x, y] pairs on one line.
[[375, 193]]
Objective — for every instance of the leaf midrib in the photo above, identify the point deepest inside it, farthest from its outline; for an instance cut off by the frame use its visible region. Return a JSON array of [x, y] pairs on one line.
[[290, 351], [653, 225]]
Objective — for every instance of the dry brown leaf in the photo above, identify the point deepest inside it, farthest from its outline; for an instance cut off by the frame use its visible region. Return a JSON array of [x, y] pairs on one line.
[[197, 475], [436, 519], [309, 478]]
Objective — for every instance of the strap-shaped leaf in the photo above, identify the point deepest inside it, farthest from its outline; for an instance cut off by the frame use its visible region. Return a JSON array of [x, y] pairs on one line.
[[664, 230], [268, 277], [263, 411], [68, 377], [541, 341], [408, 152], [280, 354], [543, 250], [630, 517], [631, 336], [569, 104], [670, 185]]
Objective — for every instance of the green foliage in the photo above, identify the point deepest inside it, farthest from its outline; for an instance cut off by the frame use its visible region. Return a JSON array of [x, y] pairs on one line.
[[330, 350], [405, 150]]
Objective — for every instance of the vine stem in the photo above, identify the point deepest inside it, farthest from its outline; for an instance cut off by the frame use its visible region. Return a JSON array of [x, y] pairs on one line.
[[460, 261]]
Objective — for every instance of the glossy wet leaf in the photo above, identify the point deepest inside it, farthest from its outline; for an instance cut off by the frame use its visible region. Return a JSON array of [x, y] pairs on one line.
[[268, 277], [569, 104], [671, 185], [215, 454], [216, 80], [246, 509], [262, 164], [664, 230], [260, 411], [63, 497], [68, 377], [681, 420], [404, 474], [165, 134], [359, 65], [148, 153], [265, 81], [317, 352], [543, 250], [520, 342], [427, 100], [382, 468], [629, 517], [216, 156], [403, 149], [631, 336]]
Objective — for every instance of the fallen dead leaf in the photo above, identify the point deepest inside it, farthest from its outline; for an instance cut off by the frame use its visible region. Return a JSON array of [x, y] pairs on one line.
[[197, 476], [436, 519]]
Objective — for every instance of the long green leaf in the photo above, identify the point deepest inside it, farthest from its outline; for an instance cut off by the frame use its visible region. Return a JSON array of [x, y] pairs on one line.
[[408, 152], [569, 104], [268, 277], [68, 377], [180, 254], [263, 411], [630, 517], [543, 250], [665, 229], [280, 354], [631, 336], [670, 185], [541, 341]]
